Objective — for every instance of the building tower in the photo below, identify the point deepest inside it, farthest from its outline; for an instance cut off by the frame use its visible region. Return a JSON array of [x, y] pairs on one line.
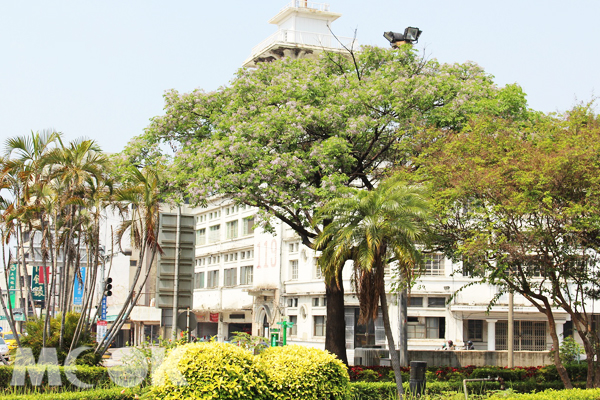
[[303, 30]]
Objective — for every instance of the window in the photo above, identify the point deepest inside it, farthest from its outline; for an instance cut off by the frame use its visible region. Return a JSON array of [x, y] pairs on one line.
[[433, 327], [214, 234], [319, 325], [232, 229], [294, 247], [315, 302], [475, 330], [201, 236], [318, 272], [292, 302], [415, 302], [294, 328], [434, 264], [294, 270], [230, 275], [248, 226], [199, 280], [133, 263], [246, 275], [426, 328], [436, 302], [212, 279], [528, 335]]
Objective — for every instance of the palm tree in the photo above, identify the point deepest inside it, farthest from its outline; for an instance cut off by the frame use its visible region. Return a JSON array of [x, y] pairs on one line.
[[374, 229], [72, 167], [140, 198]]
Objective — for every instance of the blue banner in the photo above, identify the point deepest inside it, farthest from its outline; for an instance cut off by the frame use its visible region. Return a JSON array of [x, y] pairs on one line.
[[103, 309], [78, 288]]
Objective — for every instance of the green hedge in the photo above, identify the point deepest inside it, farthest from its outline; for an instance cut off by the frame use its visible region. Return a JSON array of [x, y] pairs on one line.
[[574, 394], [97, 376], [95, 394], [385, 390]]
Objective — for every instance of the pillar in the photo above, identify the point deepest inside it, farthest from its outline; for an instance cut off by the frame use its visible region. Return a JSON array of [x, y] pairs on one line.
[[560, 330], [491, 334]]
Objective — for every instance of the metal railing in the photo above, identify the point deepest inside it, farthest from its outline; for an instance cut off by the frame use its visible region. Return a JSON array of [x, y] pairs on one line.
[[307, 39], [307, 4]]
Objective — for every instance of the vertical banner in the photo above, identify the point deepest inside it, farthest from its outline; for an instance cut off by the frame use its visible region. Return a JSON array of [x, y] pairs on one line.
[[37, 284], [78, 288], [103, 308], [12, 283]]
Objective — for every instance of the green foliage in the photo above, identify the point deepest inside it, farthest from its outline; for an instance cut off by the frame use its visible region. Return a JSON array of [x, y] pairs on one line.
[[570, 350], [34, 339], [368, 375], [210, 370], [255, 344], [298, 372], [508, 375], [448, 390], [95, 394], [97, 376], [286, 135], [573, 394]]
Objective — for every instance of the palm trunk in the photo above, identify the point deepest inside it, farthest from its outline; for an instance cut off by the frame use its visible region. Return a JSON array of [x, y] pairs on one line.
[[335, 327], [391, 346], [120, 321]]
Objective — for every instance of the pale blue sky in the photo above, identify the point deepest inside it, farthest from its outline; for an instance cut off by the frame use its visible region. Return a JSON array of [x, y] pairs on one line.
[[99, 68]]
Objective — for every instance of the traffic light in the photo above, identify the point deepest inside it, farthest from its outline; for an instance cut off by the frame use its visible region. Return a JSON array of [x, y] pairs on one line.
[[108, 287]]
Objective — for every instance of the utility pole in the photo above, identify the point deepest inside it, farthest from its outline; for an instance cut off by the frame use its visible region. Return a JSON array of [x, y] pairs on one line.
[[511, 330]]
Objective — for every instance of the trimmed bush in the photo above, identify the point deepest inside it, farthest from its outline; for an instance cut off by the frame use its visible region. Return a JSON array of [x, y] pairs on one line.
[[574, 394], [97, 376], [210, 370], [298, 372], [387, 390], [97, 394], [509, 375]]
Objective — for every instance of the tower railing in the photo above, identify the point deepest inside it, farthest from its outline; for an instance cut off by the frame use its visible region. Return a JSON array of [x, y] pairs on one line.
[[313, 39]]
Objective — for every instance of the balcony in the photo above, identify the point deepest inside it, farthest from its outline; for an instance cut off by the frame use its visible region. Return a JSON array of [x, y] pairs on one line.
[[301, 38]]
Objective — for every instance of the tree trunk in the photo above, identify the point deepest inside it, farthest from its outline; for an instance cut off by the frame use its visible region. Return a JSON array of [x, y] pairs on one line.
[[560, 368], [335, 328], [391, 346]]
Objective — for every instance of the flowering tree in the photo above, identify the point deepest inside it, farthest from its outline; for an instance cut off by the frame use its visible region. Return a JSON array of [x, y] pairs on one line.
[[285, 136]]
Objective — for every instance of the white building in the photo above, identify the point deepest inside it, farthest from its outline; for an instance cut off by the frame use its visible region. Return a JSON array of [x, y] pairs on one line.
[[248, 280]]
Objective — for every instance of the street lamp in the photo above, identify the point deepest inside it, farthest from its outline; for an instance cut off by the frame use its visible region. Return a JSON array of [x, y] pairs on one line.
[[410, 35]]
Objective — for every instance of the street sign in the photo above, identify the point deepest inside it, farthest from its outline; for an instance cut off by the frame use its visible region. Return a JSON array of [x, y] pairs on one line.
[[185, 320], [101, 328]]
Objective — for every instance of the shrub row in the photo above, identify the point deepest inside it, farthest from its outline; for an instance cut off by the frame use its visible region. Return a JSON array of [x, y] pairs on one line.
[[385, 390], [577, 372], [95, 394], [97, 376]]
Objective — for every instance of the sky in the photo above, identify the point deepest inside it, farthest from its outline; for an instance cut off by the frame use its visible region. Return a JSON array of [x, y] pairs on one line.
[[98, 69]]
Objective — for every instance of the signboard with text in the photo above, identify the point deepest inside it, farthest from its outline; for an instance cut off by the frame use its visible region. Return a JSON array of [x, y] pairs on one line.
[[78, 287]]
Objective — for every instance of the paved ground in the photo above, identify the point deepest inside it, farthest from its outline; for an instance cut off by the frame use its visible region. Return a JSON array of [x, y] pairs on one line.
[[115, 356]]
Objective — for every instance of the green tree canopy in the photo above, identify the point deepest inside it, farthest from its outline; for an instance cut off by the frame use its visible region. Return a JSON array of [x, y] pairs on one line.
[[285, 136], [518, 204]]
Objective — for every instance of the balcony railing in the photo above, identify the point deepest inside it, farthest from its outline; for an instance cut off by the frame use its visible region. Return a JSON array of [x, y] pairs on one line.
[[307, 4], [307, 39]]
